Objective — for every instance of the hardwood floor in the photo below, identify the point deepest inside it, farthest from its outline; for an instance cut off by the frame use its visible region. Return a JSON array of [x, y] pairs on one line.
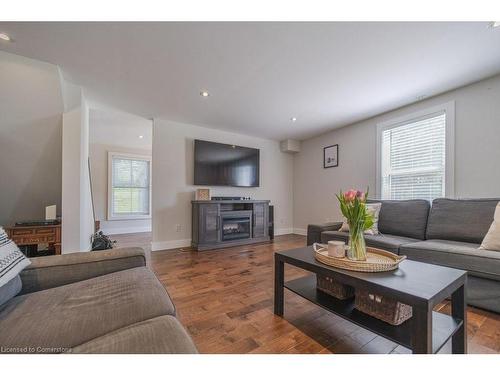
[[224, 298]]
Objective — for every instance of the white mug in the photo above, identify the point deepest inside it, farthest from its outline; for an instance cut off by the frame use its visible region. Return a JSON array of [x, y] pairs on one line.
[[336, 249]]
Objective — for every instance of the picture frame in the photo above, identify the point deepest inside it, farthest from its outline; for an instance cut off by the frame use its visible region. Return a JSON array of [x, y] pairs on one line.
[[202, 195], [331, 156]]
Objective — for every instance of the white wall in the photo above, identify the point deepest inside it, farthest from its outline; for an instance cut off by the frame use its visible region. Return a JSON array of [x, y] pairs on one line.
[[77, 216], [43, 151], [116, 132], [71, 181], [86, 211], [477, 154], [173, 189], [30, 138]]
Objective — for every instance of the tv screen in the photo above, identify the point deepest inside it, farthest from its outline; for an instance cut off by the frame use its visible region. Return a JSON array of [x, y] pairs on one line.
[[218, 164]]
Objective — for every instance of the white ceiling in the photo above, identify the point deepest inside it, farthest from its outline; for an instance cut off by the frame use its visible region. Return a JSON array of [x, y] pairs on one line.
[[260, 75]]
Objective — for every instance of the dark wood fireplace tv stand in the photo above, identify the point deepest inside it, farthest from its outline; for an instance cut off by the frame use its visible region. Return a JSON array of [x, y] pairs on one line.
[[218, 224]]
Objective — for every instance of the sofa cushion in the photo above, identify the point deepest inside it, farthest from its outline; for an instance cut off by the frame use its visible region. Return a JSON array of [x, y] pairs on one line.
[[380, 241], [483, 293], [405, 218], [462, 255], [56, 270], [464, 220], [163, 334], [72, 314], [388, 242]]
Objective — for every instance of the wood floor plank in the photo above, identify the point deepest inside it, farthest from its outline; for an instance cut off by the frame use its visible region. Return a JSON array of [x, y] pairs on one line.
[[224, 298]]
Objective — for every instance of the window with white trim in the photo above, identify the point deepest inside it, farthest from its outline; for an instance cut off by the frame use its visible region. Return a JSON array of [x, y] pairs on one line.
[[129, 190], [415, 157]]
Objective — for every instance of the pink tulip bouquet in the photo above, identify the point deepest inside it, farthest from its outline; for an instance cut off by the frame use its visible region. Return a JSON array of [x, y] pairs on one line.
[[353, 207]]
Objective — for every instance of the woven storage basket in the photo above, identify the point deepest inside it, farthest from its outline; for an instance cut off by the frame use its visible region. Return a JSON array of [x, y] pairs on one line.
[[334, 288], [387, 309]]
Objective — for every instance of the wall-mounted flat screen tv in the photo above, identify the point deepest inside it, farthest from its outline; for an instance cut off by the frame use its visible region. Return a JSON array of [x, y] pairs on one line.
[[219, 164]]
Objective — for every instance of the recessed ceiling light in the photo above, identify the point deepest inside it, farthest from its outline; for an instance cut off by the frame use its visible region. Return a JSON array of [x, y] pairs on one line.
[[4, 36], [141, 136], [204, 94], [293, 119], [495, 24]]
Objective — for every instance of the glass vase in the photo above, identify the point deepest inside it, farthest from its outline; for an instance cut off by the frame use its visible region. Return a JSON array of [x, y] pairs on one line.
[[357, 246]]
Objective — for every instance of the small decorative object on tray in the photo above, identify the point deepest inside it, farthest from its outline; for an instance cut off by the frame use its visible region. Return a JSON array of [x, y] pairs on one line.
[[329, 286], [336, 249], [377, 260], [381, 307], [353, 207]]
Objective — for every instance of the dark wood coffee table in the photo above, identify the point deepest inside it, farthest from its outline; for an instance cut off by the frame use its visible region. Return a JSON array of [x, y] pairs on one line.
[[417, 284]]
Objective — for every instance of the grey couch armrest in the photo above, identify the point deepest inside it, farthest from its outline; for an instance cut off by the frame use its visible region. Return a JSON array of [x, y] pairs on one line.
[[52, 271], [314, 231]]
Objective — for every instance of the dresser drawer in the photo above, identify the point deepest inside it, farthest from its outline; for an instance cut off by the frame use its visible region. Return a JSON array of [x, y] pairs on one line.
[[22, 232], [45, 231], [33, 239], [26, 240]]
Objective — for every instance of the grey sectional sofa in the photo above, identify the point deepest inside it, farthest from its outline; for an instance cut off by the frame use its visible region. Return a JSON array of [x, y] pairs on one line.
[[93, 302], [447, 233]]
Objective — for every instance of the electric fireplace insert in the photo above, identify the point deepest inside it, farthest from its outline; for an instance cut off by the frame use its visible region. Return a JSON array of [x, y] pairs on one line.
[[236, 225]]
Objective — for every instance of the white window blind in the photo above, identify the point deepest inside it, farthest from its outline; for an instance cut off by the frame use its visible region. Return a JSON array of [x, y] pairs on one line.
[[413, 157], [130, 187]]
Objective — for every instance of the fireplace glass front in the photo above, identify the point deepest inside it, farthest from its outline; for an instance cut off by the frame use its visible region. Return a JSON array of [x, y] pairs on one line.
[[234, 228]]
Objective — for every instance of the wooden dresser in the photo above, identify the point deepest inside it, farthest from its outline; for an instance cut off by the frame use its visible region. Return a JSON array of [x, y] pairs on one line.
[[34, 235]]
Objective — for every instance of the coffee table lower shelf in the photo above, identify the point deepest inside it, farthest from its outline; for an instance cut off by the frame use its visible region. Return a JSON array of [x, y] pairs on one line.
[[443, 326]]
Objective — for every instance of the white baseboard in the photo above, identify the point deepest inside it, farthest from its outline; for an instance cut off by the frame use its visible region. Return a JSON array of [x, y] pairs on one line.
[[166, 245], [175, 244], [301, 231], [282, 231], [125, 230]]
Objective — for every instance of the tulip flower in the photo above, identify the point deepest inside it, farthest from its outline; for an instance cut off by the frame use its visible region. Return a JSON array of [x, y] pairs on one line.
[[361, 196], [350, 195]]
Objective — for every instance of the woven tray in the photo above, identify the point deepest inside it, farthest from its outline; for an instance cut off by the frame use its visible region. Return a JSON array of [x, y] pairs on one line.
[[377, 260]]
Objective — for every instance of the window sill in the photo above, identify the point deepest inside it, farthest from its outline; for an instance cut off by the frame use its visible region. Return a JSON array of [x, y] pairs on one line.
[[129, 217]]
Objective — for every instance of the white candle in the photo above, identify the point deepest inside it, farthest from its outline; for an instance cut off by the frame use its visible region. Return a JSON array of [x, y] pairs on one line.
[[336, 249]]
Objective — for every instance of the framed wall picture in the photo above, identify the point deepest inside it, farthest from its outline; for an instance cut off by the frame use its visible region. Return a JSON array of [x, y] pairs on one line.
[[331, 156], [202, 195]]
